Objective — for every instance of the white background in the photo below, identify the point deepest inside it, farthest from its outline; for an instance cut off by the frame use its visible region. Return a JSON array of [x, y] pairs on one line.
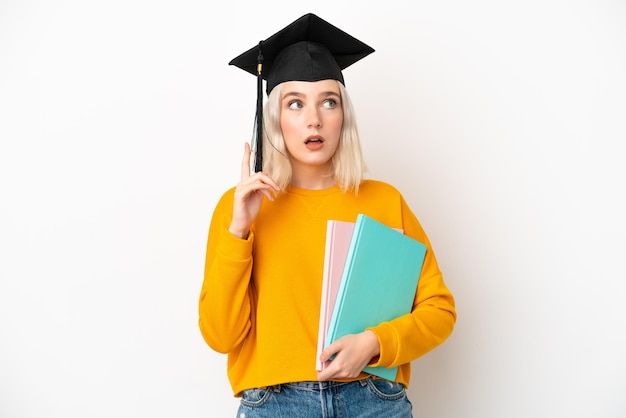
[[121, 124]]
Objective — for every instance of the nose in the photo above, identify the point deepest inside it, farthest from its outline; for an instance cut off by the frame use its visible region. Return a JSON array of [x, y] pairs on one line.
[[315, 121]]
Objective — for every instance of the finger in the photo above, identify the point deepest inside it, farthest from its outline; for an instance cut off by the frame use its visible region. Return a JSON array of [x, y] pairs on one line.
[[268, 180], [245, 164], [330, 351], [332, 371], [268, 194], [254, 185], [327, 373], [262, 178]]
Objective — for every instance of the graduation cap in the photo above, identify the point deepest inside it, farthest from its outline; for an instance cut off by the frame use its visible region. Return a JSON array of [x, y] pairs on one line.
[[308, 49]]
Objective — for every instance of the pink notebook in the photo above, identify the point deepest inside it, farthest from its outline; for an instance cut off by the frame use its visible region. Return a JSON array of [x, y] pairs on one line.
[[338, 238]]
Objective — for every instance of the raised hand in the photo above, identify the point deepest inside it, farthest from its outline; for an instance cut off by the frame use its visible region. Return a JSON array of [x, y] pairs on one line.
[[248, 196]]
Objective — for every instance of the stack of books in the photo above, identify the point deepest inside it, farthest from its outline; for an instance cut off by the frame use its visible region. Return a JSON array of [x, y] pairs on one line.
[[371, 272]]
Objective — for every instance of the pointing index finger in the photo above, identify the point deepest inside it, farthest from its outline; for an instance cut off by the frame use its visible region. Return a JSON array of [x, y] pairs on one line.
[[245, 164]]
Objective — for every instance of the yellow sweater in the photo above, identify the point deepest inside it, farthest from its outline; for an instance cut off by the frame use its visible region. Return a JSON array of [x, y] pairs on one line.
[[260, 299]]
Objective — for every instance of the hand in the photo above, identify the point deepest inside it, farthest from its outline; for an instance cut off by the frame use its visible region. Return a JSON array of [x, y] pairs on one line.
[[248, 196], [352, 353]]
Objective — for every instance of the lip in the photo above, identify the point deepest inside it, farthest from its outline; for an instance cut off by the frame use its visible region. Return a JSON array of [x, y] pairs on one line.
[[312, 138], [314, 143]]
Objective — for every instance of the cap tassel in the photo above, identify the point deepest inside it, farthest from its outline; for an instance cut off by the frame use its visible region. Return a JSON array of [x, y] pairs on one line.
[[258, 154]]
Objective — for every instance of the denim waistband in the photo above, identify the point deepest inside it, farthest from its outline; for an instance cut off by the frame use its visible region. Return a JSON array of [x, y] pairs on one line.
[[315, 385]]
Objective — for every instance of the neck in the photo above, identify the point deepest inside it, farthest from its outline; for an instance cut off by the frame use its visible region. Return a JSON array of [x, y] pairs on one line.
[[312, 178]]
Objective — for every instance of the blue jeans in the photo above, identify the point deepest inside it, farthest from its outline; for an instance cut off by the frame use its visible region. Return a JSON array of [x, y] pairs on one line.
[[369, 397]]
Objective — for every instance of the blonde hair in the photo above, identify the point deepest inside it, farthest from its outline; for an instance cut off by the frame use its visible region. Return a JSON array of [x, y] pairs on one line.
[[348, 167]]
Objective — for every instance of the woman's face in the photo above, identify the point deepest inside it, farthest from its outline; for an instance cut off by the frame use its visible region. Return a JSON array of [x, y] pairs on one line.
[[311, 117]]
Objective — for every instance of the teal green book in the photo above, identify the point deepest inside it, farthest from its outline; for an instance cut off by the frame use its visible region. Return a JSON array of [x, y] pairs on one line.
[[378, 283]]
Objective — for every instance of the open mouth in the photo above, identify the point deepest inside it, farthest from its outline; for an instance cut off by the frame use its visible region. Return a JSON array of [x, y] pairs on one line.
[[314, 143], [313, 140]]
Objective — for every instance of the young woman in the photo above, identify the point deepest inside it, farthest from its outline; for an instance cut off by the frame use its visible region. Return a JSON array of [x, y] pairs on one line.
[[260, 300]]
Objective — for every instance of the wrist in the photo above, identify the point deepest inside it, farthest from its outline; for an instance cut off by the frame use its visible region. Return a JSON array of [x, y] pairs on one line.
[[239, 233], [373, 343]]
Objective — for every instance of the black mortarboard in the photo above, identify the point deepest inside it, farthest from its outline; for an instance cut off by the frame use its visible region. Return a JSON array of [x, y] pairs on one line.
[[308, 49]]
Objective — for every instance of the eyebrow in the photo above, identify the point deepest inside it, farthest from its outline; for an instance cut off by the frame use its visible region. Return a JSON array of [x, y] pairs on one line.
[[323, 94]]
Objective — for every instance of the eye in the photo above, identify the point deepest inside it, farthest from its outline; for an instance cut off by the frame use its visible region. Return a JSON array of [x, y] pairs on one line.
[[294, 104], [330, 103]]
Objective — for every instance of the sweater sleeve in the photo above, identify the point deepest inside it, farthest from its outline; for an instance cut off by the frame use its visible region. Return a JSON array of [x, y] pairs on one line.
[[224, 306], [433, 315]]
